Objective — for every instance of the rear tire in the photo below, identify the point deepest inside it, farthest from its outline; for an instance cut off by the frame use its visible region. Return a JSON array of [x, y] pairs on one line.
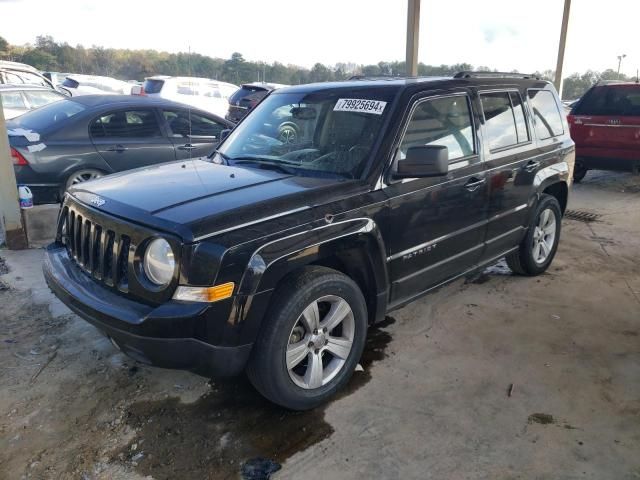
[[293, 363], [539, 246], [579, 172]]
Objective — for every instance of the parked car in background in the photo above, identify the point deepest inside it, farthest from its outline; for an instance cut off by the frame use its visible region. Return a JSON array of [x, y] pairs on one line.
[[203, 93], [95, 85], [56, 77], [247, 97], [19, 99], [83, 138], [605, 125], [15, 73]]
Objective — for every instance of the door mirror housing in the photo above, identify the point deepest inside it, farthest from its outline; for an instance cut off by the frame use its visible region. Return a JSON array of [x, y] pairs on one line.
[[424, 161]]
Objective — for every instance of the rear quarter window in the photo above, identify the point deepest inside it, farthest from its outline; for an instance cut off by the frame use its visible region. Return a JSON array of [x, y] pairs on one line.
[[50, 116], [546, 114]]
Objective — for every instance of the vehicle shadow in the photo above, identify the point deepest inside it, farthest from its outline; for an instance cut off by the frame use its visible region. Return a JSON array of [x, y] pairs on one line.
[[215, 436]]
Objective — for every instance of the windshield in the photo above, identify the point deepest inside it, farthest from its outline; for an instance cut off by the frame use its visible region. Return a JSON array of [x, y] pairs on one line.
[[48, 116], [325, 134]]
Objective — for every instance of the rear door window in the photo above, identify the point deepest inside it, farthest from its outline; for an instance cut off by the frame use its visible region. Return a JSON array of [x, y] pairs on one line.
[[128, 124], [12, 78], [185, 124], [32, 79], [13, 100], [442, 121], [546, 114], [621, 100], [504, 120]]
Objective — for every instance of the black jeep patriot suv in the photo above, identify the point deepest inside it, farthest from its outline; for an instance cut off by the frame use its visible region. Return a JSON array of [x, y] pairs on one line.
[[274, 257]]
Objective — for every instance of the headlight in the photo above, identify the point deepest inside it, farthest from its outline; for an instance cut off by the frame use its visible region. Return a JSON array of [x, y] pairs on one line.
[[159, 262]]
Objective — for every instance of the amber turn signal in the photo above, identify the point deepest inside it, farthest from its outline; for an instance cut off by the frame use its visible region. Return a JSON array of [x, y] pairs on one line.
[[204, 294]]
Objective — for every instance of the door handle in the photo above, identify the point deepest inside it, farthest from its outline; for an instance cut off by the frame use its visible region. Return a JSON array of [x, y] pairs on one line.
[[117, 148], [474, 183], [186, 146], [531, 166]]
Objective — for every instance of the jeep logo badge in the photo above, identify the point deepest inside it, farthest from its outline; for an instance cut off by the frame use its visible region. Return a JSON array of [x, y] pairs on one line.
[[96, 200]]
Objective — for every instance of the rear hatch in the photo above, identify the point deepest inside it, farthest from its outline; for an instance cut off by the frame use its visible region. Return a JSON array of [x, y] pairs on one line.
[[606, 122], [243, 100]]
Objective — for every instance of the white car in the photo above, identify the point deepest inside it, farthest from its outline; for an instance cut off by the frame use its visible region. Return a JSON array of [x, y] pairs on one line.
[[95, 85], [203, 93], [19, 99]]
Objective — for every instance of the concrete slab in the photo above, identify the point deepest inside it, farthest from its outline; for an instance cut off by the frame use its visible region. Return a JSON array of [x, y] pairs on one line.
[[501, 377]]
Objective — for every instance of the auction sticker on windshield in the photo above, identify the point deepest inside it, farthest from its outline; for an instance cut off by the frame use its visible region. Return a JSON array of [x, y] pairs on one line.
[[359, 105]]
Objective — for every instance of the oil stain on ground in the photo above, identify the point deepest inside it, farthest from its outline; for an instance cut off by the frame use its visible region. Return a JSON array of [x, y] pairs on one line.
[[216, 436]]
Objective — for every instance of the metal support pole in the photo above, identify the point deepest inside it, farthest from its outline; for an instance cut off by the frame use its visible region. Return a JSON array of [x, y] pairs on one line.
[[563, 41], [10, 216], [413, 32]]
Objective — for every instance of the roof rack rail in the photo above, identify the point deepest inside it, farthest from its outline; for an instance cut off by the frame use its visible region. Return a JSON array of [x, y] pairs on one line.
[[614, 82], [374, 77], [486, 74]]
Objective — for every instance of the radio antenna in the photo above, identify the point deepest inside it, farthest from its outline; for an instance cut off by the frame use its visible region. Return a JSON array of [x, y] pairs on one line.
[[189, 144]]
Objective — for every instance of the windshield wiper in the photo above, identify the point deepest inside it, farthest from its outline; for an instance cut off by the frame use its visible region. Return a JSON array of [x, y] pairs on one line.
[[262, 162]]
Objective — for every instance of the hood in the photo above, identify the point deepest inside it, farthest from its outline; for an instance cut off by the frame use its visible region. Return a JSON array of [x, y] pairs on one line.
[[197, 198]]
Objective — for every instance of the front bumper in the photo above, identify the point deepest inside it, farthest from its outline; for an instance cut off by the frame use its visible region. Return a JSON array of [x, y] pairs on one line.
[[138, 329]]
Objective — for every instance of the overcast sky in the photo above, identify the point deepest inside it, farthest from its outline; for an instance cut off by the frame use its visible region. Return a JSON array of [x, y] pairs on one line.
[[503, 34]]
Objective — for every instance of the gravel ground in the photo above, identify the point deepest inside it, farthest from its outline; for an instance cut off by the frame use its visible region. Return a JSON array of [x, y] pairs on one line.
[[495, 377]]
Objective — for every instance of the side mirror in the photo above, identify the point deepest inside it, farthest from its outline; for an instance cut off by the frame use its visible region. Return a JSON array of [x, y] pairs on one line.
[[424, 161], [224, 134]]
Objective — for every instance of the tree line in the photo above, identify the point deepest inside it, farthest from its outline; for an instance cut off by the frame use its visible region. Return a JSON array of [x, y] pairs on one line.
[[46, 54]]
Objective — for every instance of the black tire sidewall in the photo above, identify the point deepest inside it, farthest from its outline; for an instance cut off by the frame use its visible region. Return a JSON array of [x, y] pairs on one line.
[[526, 253], [579, 172], [270, 348]]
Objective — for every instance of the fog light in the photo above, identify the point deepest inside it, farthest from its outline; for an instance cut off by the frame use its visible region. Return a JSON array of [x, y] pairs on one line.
[[204, 294]]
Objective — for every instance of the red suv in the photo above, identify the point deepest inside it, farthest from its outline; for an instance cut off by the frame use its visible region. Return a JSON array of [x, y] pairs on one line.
[[605, 125]]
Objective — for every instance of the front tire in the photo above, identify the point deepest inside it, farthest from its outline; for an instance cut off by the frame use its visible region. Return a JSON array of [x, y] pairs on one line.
[[539, 246], [311, 340]]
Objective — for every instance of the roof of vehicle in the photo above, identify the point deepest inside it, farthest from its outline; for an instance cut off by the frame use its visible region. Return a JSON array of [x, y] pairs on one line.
[[17, 66], [97, 101], [265, 85], [406, 82], [616, 83], [26, 86], [186, 79], [81, 77]]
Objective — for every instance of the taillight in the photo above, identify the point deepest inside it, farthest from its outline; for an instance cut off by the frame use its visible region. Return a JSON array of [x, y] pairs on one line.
[[17, 157]]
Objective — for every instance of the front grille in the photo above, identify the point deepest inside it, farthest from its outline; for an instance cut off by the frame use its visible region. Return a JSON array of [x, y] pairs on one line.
[[101, 252]]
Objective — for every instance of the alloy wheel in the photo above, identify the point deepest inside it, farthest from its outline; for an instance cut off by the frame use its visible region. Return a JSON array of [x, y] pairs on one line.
[[544, 236], [83, 176], [320, 342]]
